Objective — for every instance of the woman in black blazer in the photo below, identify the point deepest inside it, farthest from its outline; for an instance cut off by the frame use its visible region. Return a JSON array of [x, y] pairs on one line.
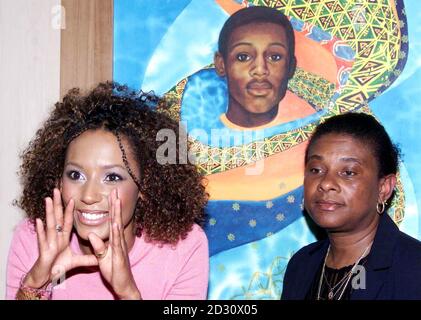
[[350, 174]]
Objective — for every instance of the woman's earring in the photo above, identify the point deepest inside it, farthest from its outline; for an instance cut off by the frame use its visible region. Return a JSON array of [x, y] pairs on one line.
[[380, 207]]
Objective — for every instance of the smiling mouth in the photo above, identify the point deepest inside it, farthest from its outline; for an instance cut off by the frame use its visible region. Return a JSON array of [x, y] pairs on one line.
[[92, 218]]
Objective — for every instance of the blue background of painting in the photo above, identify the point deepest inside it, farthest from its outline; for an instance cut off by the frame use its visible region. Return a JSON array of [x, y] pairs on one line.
[[399, 108]]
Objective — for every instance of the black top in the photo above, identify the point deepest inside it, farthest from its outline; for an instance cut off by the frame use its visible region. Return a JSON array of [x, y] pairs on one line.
[[336, 281]]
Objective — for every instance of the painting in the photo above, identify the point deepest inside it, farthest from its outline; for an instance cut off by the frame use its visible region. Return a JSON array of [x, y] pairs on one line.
[[361, 56]]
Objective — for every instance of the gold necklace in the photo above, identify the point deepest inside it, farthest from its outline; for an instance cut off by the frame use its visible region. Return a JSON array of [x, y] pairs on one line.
[[347, 276], [332, 293]]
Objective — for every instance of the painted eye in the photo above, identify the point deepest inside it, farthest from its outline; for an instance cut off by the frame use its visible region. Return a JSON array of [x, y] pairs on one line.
[[314, 170], [275, 57], [243, 57], [113, 177]]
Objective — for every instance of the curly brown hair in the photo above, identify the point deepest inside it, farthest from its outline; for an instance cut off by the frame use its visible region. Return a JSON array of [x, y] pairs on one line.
[[174, 195]]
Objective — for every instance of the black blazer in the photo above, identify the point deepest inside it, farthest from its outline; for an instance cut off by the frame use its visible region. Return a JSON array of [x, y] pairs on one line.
[[393, 267]]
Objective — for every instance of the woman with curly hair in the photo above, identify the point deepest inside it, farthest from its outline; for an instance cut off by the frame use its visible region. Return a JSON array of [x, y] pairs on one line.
[[105, 218]]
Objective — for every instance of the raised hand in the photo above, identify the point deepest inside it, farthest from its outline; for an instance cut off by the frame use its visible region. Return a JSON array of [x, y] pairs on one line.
[[55, 256], [113, 260]]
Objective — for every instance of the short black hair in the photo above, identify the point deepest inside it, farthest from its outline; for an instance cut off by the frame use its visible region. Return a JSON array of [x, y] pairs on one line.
[[367, 129], [252, 15]]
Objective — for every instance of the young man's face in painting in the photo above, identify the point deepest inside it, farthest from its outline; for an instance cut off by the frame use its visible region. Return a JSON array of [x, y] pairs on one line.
[[257, 66]]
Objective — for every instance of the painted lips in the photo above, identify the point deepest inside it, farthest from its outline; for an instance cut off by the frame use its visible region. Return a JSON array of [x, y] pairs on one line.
[[259, 88]]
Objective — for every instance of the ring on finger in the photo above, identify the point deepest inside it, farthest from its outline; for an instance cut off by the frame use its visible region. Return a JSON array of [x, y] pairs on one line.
[[59, 228], [102, 254]]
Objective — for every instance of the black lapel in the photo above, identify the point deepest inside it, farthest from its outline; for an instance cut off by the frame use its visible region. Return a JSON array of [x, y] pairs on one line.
[[309, 270], [379, 261]]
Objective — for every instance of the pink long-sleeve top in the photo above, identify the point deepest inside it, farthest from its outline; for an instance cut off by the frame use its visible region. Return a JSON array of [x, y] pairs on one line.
[[167, 272]]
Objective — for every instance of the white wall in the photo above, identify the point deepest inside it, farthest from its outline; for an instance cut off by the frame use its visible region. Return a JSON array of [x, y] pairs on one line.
[[29, 86]]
